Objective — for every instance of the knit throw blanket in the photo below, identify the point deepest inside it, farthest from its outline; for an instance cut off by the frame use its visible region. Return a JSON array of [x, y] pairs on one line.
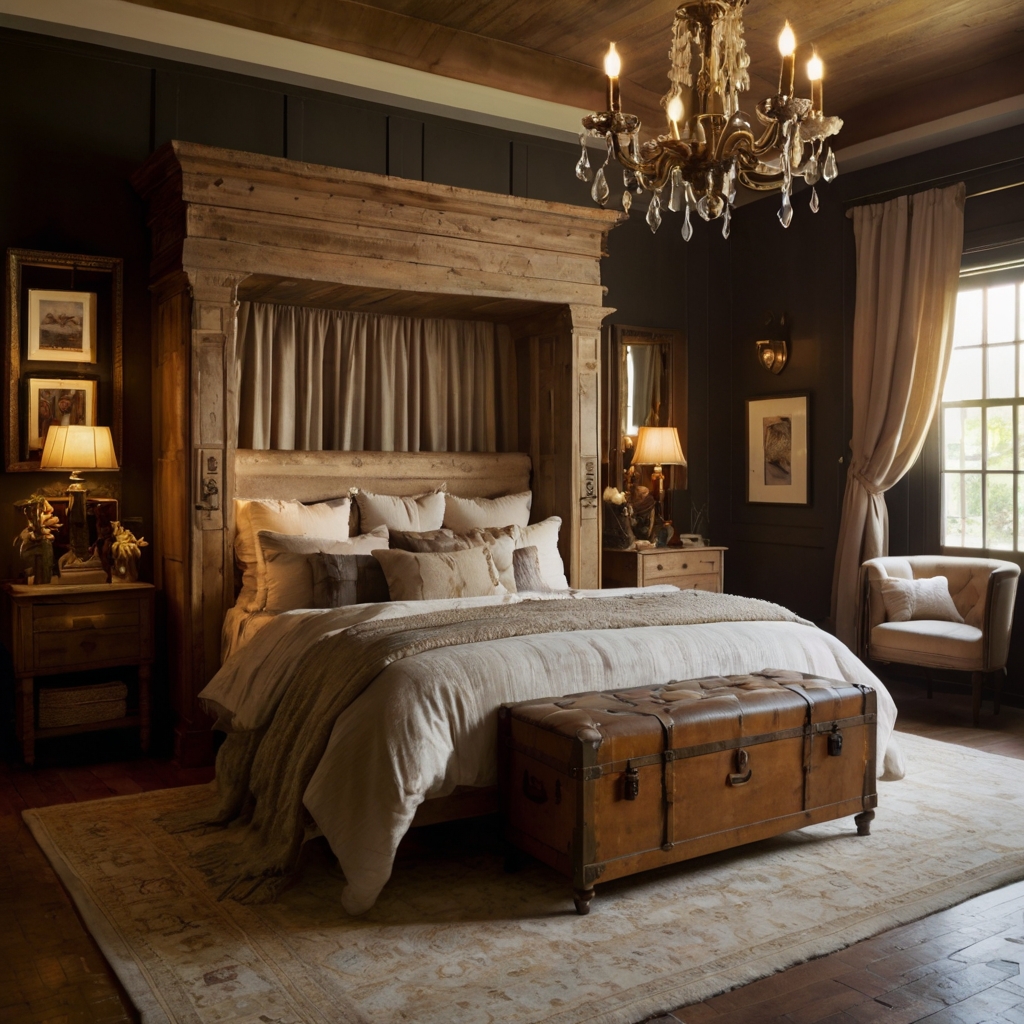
[[262, 775]]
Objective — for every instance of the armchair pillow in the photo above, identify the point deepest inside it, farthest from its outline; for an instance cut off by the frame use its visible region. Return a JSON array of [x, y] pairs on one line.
[[913, 600]]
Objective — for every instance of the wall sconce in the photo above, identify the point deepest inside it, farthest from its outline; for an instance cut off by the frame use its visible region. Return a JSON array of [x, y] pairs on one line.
[[773, 352]]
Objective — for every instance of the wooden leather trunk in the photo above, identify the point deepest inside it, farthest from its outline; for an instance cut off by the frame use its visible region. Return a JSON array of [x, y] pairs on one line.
[[602, 785]]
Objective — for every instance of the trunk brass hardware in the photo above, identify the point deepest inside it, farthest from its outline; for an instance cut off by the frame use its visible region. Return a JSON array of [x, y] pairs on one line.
[[741, 778], [533, 789], [835, 742], [631, 783]]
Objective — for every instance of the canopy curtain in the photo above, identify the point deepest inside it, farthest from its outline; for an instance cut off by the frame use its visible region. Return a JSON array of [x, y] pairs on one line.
[[908, 264], [314, 379]]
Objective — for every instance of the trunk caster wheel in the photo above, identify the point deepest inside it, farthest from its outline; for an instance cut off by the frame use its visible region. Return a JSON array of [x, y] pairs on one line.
[[863, 822], [582, 898]]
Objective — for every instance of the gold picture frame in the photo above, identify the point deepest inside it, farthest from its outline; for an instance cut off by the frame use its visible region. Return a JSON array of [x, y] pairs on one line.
[[56, 402], [103, 276], [61, 326]]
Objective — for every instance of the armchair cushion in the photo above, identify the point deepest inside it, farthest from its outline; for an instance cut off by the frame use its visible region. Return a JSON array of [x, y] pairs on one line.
[[930, 642], [907, 600]]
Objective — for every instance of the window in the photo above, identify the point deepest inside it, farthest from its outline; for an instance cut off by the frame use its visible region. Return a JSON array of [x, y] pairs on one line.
[[982, 418]]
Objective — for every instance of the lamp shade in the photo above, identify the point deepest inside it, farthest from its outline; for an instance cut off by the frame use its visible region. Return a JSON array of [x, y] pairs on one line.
[[78, 448], [658, 446]]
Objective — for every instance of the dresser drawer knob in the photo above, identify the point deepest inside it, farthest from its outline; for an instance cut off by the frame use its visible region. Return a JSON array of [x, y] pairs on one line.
[[660, 567]]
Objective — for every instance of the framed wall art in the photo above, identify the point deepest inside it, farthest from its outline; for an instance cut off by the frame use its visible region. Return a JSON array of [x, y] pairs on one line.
[[64, 327], [61, 326], [58, 403], [777, 450]]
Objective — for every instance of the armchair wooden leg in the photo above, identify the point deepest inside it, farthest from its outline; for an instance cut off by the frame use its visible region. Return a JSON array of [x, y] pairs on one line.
[[977, 678]]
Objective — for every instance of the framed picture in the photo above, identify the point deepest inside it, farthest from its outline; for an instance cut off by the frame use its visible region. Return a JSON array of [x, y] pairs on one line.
[[777, 450], [61, 326], [58, 403]]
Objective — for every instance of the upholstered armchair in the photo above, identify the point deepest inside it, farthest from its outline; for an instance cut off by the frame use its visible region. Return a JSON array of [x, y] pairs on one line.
[[983, 590]]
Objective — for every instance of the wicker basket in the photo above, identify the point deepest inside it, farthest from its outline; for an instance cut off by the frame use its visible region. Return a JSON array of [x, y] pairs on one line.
[[60, 706]]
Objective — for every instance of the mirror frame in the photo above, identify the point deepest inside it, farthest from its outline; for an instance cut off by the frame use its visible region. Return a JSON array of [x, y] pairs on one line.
[[674, 406], [16, 260]]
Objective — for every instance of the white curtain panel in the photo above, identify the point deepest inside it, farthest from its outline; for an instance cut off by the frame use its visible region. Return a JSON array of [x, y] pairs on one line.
[[908, 266], [314, 379]]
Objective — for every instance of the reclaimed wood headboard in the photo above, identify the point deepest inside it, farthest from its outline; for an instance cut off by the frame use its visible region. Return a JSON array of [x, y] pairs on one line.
[[316, 476]]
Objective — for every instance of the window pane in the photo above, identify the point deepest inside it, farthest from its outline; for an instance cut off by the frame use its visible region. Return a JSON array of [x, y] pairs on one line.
[[1002, 313], [967, 330], [964, 378], [999, 440], [1001, 373], [963, 510], [999, 512], [962, 438]]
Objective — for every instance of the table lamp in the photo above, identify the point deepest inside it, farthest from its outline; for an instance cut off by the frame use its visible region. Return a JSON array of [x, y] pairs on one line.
[[657, 447], [78, 448]]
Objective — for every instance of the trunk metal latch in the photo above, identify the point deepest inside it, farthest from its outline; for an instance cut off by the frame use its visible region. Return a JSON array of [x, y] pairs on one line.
[[631, 783], [835, 742]]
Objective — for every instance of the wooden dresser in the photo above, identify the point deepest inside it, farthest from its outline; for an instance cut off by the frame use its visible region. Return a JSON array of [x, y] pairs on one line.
[[57, 630], [686, 568]]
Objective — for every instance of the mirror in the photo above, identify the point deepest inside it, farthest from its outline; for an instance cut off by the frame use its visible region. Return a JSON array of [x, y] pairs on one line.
[[647, 387]]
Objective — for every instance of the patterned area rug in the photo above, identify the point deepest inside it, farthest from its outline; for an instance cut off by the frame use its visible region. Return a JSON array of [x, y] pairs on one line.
[[454, 940]]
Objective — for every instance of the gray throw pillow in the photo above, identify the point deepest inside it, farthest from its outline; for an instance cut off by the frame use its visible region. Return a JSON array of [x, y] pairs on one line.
[[526, 566], [342, 580], [427, 540]]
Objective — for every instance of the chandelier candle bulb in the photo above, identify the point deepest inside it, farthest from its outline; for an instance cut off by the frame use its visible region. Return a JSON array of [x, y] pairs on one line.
[[675, 115], [815, 72], [613, 68], [787, 47]]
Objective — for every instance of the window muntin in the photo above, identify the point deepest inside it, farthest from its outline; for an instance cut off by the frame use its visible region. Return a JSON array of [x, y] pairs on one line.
[[981, 420]]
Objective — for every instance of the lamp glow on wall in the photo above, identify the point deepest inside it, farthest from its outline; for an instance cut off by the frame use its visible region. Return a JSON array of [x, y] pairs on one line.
[[78, 448], [657, 447]]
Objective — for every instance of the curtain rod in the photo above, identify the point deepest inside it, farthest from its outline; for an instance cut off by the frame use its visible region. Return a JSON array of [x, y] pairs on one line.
[[947, 179]]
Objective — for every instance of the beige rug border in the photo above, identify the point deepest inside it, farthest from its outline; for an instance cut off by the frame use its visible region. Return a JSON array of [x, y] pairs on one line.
[[655, 999]]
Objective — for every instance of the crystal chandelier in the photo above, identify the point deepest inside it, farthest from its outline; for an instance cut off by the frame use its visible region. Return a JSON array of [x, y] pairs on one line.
[[702, 160]]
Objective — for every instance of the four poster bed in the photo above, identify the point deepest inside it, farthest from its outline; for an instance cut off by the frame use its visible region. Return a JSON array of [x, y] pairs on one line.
[[362, 719]]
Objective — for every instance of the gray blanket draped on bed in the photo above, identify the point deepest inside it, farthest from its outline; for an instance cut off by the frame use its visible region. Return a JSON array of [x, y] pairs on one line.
[[262, 775]]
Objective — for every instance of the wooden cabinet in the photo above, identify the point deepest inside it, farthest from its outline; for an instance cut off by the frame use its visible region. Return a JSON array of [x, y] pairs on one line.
[[686, 568], [57, 630]]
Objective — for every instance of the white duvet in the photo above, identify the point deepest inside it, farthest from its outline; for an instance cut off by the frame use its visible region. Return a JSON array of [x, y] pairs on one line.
[[428, 723]]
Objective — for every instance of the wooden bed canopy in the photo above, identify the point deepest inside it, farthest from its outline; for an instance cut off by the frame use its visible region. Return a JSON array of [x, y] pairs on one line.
[[229, 227]]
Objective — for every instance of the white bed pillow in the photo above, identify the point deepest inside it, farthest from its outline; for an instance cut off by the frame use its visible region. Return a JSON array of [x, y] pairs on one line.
[[288, 574], [913, 600], [327, 519], [462, 514], [429, 576], [544, 537], [419, 513]]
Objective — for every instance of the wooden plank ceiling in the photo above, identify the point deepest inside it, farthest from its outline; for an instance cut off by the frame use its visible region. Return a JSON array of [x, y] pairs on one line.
[[890, 64]]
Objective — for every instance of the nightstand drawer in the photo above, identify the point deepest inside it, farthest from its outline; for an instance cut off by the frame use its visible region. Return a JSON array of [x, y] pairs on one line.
[[708, 581], [79, 648], [660, 567], [60, 616]]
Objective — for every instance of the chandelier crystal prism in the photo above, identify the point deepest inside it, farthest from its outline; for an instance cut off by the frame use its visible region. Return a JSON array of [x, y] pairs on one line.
[[700, 162]]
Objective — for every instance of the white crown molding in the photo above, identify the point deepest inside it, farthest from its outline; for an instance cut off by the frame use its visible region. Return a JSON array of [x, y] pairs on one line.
[[180, 37]]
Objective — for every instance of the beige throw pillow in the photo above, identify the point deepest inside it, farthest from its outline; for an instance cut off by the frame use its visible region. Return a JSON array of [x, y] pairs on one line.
[[913, 600], [428, 576], [288, 574], [461, 514], [418, 512], [326, 519]]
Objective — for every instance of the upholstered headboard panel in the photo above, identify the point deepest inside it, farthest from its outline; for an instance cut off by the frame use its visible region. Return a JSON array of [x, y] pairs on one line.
[[315, 476]]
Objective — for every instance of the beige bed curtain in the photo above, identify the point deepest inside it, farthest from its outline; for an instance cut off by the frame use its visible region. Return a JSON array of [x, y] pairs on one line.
[[908, 264], [315, 379]]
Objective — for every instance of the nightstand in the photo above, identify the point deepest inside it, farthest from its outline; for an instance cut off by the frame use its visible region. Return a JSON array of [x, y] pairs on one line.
[[686, 568], [54, 629]]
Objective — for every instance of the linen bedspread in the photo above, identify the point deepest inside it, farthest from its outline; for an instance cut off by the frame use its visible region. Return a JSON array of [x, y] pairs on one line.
[[427, 724]]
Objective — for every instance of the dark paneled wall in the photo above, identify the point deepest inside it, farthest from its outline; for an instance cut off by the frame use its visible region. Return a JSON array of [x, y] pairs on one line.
[[77, 120], [782, 553]]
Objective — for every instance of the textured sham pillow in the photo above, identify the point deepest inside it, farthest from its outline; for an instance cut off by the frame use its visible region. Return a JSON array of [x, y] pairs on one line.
[[428, 576], [342, 580], [288, 574], [425, 540], [526, 568], [544, 537], [327, 519], [461, 514], [418, 512], [913, 600]]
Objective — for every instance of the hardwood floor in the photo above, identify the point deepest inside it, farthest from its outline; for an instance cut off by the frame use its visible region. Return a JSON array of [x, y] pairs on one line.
[[961, 966]]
